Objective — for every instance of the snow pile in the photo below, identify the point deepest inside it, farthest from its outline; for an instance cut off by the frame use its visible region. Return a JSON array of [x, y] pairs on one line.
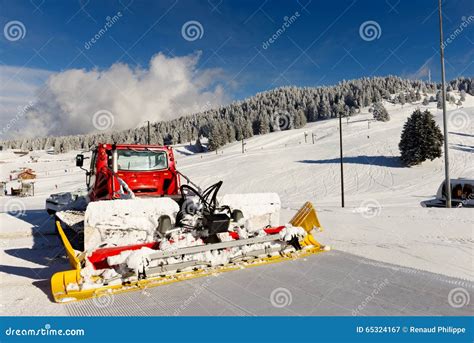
[[140, 260], [136, 260], [243, 234], [287, 233], [259, 209], [180, 240], [125, 222]]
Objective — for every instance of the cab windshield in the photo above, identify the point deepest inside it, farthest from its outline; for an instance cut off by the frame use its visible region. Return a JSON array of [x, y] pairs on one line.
[[134, 160]]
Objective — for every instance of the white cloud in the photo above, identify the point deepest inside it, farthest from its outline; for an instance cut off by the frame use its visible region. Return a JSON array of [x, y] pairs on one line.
[[170, 87], [18, 88], [422, 72]]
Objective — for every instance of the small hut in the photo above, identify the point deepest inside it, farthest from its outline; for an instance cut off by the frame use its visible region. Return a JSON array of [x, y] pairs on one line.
[[27, 174]]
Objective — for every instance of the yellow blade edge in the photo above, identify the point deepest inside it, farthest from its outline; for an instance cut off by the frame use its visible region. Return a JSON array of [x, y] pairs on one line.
[[307, 218]]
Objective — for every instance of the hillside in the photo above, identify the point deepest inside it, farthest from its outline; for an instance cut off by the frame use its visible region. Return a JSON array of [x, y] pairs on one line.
[[279, 109]]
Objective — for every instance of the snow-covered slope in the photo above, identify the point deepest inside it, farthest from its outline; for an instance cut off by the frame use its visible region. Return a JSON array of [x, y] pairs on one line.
[[383, 219], [282, 162]]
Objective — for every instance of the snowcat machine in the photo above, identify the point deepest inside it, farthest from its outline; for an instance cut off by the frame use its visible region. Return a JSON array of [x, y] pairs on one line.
[[139, 227], [461, 194]]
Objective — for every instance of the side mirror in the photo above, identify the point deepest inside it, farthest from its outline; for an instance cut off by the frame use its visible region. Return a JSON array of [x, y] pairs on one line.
[[79, 160]]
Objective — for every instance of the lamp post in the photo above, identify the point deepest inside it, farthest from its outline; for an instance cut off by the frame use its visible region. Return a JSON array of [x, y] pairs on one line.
[[148, 133], [447, 181], [340, 153]]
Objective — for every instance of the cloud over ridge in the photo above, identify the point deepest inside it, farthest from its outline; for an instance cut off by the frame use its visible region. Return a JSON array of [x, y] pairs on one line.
[[168, 88]]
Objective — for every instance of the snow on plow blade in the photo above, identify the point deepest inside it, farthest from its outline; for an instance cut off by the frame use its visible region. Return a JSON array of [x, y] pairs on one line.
[[66, 287], [128, 221]]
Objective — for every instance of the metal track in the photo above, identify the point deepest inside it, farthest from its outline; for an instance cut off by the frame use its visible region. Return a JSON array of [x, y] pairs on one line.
[[216, 246], [182, 265]]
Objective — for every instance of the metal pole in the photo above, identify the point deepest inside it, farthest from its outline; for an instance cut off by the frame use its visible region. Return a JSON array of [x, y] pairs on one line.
[[148, 137], [340, 152], [447, 181]]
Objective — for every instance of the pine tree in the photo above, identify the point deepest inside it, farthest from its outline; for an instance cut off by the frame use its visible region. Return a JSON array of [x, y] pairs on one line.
[[300, 119], [402, 99], [426, 101], [421, 139], [263, 125], [452, 99], [380, 113], [215, 137], [439, 104], [417, 95]]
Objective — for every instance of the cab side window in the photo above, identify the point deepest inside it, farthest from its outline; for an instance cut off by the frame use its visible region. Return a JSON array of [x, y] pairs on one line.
[[457, 192]]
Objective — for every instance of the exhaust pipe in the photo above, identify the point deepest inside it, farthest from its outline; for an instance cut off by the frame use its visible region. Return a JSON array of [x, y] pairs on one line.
[[114, 158]]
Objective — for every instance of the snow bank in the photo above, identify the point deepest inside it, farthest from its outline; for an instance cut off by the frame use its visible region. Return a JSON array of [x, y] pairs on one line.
[[125, 222], [259, 209]]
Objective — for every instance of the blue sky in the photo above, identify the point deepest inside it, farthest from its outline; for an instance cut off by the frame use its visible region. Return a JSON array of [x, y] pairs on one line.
[[321, 44]]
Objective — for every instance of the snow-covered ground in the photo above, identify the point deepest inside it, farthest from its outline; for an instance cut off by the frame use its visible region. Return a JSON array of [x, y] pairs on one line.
[[382, 221]]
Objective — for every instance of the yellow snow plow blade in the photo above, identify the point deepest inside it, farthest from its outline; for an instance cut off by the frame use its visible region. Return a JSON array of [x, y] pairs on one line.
[[306, 218], [60, 280]]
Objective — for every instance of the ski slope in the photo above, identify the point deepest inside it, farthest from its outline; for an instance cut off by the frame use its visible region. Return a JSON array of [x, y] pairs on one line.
[[382, 221]]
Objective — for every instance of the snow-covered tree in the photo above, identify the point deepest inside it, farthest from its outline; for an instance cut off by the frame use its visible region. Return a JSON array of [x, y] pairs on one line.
[[439, 104], [380, 113], [452, 99], [402, 99], [421, 139]]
